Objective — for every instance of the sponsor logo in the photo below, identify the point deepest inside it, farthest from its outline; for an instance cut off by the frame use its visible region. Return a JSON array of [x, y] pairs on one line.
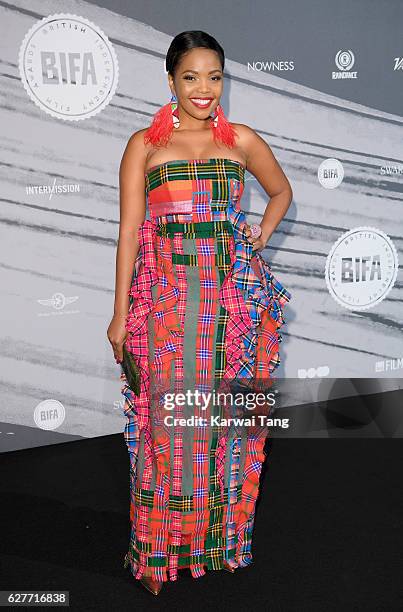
[[389, 365], [271, 66], [52, 189], [58, 303], [344, 60], [318, 372]]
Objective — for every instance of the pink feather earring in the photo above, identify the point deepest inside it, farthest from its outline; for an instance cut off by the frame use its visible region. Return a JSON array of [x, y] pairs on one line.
[[167, 118], [222, 129]]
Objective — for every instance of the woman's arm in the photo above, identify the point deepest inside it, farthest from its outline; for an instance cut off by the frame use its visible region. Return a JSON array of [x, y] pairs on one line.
[[132, 214], [264, 166]]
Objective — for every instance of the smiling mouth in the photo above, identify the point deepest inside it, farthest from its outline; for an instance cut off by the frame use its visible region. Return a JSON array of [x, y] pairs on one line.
[[201, 102]]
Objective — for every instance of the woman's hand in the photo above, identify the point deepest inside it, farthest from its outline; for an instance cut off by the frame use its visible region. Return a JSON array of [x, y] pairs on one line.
[[117, 335], [259, 242]]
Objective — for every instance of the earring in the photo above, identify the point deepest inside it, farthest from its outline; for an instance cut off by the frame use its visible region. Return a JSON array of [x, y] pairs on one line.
[[174, 110], [223, 131], [214, 116], [167, 117], [161, 128]]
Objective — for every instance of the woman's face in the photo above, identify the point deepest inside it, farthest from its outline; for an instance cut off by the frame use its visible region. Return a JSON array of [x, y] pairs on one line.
[[198, 82]]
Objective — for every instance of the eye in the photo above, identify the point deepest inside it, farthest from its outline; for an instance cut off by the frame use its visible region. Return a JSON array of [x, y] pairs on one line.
[[189, 77]]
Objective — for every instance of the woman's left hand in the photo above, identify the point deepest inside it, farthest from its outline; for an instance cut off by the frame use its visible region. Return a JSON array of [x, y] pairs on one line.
[[258, 242]]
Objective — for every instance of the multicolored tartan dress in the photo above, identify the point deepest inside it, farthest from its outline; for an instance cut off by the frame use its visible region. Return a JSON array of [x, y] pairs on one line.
[[204, 310]]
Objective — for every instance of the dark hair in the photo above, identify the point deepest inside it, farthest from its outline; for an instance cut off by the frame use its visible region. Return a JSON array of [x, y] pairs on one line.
[[191, 39]]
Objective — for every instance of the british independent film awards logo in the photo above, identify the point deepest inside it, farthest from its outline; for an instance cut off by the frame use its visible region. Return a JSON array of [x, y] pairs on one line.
[[361, 268], [49, 414], [68, 67], [330, 173]]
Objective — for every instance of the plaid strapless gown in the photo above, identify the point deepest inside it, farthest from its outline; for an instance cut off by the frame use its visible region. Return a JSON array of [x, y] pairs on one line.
[[204, 310]]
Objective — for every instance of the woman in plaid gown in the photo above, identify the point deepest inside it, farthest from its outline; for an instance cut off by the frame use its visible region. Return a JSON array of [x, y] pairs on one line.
[[199, 309]]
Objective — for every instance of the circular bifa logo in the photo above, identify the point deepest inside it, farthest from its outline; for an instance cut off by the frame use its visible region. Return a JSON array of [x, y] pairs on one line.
[[330, 173], [361, 268], [49, 414], [68, 67]]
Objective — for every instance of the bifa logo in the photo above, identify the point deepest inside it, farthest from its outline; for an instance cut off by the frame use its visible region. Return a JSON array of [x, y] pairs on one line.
[[330, 173], [361, 268], [49, 414], [68, 67]]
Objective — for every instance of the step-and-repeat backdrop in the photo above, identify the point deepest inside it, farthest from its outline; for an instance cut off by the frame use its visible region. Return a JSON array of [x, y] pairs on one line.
[[77, 79]]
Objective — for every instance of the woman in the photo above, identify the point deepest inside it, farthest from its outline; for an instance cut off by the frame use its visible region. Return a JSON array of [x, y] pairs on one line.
[[197, 308]]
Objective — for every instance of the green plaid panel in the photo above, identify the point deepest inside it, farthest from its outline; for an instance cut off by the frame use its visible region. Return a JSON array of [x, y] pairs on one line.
[[194, 260], [181, 503], [184, 503], [207, 229], [213, 561], [144, 497]]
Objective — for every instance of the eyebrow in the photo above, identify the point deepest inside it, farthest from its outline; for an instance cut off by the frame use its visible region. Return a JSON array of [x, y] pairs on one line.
[[196, 72]]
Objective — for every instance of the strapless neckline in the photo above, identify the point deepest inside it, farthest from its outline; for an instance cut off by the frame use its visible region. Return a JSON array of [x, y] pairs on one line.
[[195, 159]]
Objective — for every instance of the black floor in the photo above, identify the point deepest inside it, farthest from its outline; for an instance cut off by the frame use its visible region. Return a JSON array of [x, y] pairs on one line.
[[328, 530]]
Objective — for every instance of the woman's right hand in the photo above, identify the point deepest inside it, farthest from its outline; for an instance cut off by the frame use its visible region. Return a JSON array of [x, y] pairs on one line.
[[117, 335]]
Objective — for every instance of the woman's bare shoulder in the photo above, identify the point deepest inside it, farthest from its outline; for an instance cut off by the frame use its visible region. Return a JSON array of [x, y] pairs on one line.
[[242, 128], [136, 150], [247, 137], [245, 133], [250, 141], [136, 140]]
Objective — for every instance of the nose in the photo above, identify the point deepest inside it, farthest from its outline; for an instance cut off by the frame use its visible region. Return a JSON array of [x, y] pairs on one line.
[[204, 87]]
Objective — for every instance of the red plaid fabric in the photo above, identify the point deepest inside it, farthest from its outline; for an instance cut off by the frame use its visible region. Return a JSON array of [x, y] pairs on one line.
[[204, 312]]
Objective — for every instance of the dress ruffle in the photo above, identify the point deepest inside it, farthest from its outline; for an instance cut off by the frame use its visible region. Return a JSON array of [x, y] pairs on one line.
[[152, 266], [145, 276], [254, 322], [252, 336]]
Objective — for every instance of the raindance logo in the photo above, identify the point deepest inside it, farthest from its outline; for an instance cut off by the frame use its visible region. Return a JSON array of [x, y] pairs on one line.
[[330, 173], [344, 62], [68, 67], [361, 268]]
